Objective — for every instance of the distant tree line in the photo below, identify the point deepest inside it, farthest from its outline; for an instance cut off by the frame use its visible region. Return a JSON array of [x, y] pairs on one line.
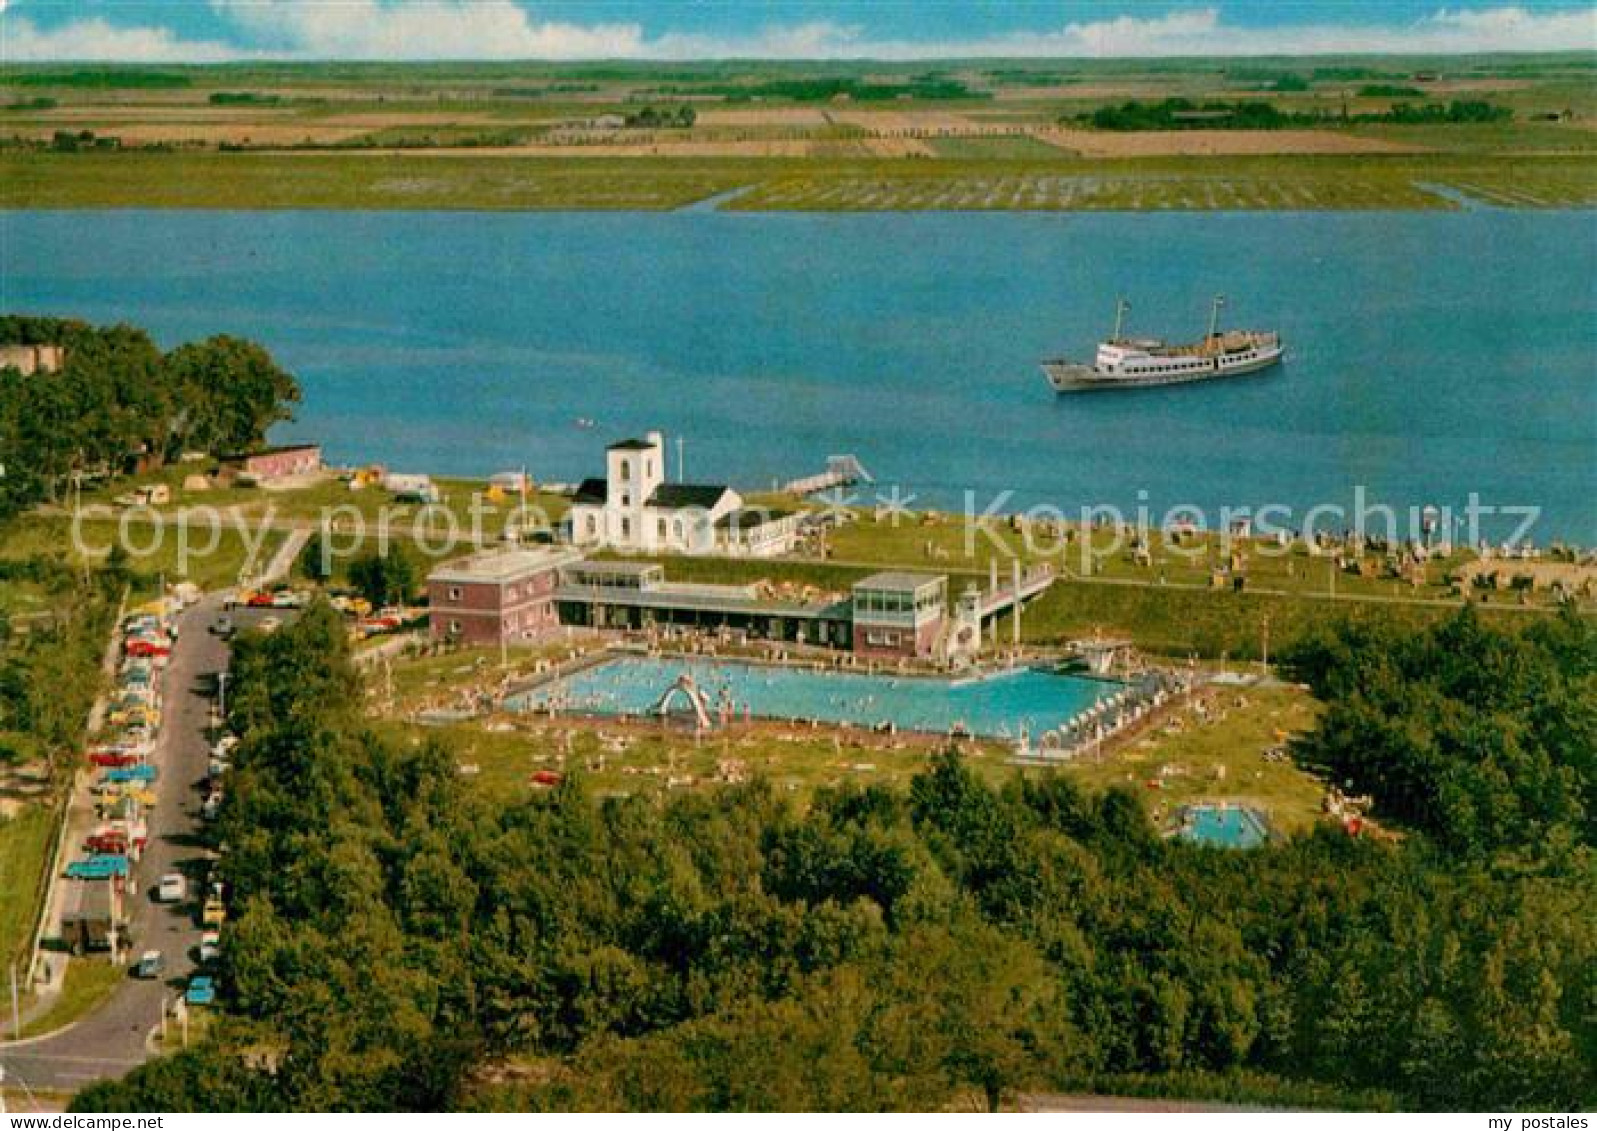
[[118, 396], [244, 98], [649, 118], [398, 932], [821, 89], [1248, 114], [108, 78]]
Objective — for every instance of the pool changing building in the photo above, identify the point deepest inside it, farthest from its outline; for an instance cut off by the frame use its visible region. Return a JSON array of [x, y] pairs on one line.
[[520, 595]]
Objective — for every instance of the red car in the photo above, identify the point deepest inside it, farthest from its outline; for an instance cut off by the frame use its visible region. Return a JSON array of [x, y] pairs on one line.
[[112, 758], [147, 647], [110, 841], [261, 601]]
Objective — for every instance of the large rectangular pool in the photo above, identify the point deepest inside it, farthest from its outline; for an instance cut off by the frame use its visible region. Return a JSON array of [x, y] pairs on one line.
[[993, 706]]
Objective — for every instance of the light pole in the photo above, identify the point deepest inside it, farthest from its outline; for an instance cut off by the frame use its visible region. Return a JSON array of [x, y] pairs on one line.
[[221, 695]]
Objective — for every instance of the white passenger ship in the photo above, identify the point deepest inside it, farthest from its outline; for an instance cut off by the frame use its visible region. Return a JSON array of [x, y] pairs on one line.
[[1140, 363]]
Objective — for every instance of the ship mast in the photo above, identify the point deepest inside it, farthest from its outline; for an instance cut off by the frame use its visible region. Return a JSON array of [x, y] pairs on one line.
[[1214, 315], [1121, 306]]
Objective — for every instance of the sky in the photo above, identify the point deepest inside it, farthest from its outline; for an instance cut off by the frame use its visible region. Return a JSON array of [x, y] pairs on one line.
[[194, 31]]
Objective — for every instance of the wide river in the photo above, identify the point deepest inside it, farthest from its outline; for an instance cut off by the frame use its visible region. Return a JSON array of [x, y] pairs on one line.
[[1431, 355]]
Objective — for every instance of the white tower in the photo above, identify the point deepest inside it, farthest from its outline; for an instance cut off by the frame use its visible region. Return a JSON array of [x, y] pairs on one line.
[[634, 469]]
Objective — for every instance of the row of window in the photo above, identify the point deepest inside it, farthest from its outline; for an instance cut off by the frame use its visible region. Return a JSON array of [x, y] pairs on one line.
[[874, 601], [661, 529], [1183, 366]]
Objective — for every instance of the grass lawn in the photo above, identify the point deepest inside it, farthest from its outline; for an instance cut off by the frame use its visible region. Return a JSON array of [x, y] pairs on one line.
[[633, 759], [25, 842], [1219, 758], [89, 981], [1161, 619], [441, 681], [209, 556]]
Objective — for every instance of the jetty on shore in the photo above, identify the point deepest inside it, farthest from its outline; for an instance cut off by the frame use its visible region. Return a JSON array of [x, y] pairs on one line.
[[841, 471]]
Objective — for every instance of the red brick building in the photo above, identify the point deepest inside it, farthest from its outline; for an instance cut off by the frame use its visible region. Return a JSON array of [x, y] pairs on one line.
[[899, 614], [500, 595]]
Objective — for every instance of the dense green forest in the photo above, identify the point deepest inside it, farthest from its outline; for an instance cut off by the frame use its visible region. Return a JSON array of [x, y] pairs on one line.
[[1483, 738], [401, 939], [49, 674], [118, 396]]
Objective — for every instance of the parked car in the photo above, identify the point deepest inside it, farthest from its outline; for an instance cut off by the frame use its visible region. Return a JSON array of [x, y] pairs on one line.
[[143, 772], [173, 888], [101, 866], [212, 805], [210, 947], [151, 964], [201, 991], [223, 626], [214, 913], [112, 757]]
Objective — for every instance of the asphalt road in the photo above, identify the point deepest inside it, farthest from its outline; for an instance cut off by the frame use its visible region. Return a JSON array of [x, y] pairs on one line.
[[113, 1038]]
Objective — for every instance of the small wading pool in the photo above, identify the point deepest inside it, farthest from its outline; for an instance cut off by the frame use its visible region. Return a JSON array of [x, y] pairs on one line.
[[996, 706], [1228, 826]]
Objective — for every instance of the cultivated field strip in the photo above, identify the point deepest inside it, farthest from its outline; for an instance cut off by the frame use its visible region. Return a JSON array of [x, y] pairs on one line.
[[1070, 192]]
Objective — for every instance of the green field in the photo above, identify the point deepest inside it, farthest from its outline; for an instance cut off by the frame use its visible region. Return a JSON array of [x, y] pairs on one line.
[[801, 135], [202, 179], [26, 839]]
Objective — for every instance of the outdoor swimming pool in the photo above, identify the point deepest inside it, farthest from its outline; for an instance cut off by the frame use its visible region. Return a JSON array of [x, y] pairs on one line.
[[1228, 826], [996, 706]]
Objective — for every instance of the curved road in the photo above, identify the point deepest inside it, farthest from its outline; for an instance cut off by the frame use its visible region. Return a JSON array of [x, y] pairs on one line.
[[112, 1039]]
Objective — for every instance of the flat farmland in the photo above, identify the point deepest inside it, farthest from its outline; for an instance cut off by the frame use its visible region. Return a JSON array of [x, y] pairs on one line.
[[1085, 188]]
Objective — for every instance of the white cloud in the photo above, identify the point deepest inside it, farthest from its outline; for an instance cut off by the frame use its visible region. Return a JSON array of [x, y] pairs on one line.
[[95, 40], [1195, 31], [423, 29], [503, 29]]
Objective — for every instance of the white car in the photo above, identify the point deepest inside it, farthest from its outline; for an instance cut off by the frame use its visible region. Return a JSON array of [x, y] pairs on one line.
[[210, 947], [173, 888]]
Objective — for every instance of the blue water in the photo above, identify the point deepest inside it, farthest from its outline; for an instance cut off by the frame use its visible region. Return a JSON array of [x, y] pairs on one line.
[[1228, 826], [995, 707], [1432, 354]]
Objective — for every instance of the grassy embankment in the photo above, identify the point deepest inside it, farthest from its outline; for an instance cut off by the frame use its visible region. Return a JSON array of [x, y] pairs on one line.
[[153, 551], [26, 838]]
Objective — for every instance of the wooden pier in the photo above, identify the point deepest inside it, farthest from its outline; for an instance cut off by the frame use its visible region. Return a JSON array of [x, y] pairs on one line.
[[841, 471]]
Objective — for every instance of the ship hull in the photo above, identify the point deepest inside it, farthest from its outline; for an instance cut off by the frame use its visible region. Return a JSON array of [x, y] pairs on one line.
[[1073, 377]]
